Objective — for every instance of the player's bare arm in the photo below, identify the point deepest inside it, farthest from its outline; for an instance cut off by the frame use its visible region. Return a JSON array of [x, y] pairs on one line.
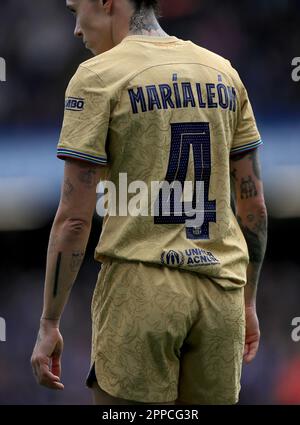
[[251, 213], [247, 188], [67, 244]]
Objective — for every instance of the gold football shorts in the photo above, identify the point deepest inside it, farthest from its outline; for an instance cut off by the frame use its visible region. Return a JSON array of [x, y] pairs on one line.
[[161, 334]]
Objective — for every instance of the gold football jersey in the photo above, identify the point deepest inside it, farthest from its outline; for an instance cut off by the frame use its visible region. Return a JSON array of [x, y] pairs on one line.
[[164, 115]]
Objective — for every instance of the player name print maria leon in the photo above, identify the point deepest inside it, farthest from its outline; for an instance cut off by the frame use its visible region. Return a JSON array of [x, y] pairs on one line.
[[183, 95]]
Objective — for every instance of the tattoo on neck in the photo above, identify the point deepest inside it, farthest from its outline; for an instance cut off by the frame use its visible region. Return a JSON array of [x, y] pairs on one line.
[[144, 22]]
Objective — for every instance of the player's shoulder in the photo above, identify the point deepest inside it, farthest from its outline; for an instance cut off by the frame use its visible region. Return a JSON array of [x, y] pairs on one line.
[[213, 60], [100, 64]]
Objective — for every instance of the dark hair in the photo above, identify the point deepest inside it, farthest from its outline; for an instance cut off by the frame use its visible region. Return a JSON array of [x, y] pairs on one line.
[[148, 4]]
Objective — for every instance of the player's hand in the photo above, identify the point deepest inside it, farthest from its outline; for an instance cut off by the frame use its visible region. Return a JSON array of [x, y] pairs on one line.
[[46, 356], [252, 334]]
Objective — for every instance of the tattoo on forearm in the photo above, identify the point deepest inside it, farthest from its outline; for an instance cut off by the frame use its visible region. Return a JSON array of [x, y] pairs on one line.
[[68, 189], [88, 177], [245, 183], [252, 156], [260, 226], [248, 188], [76, 261], [56, 277], [256, 237]]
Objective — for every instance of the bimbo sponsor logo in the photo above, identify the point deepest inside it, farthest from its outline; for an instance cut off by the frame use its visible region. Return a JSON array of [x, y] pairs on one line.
[[74, 104]]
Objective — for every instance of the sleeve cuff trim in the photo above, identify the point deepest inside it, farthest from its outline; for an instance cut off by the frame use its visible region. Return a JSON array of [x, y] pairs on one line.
[[247, 147], [63, 153]]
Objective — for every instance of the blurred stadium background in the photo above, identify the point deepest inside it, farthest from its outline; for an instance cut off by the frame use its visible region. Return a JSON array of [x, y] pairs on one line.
[[260, 37]]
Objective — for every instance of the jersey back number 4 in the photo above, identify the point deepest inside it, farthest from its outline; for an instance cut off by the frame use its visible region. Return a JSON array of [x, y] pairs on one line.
[[197, 213]]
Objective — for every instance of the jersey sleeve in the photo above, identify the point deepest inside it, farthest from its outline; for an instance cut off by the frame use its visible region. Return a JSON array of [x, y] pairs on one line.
[[86, 119], [246, 135]]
